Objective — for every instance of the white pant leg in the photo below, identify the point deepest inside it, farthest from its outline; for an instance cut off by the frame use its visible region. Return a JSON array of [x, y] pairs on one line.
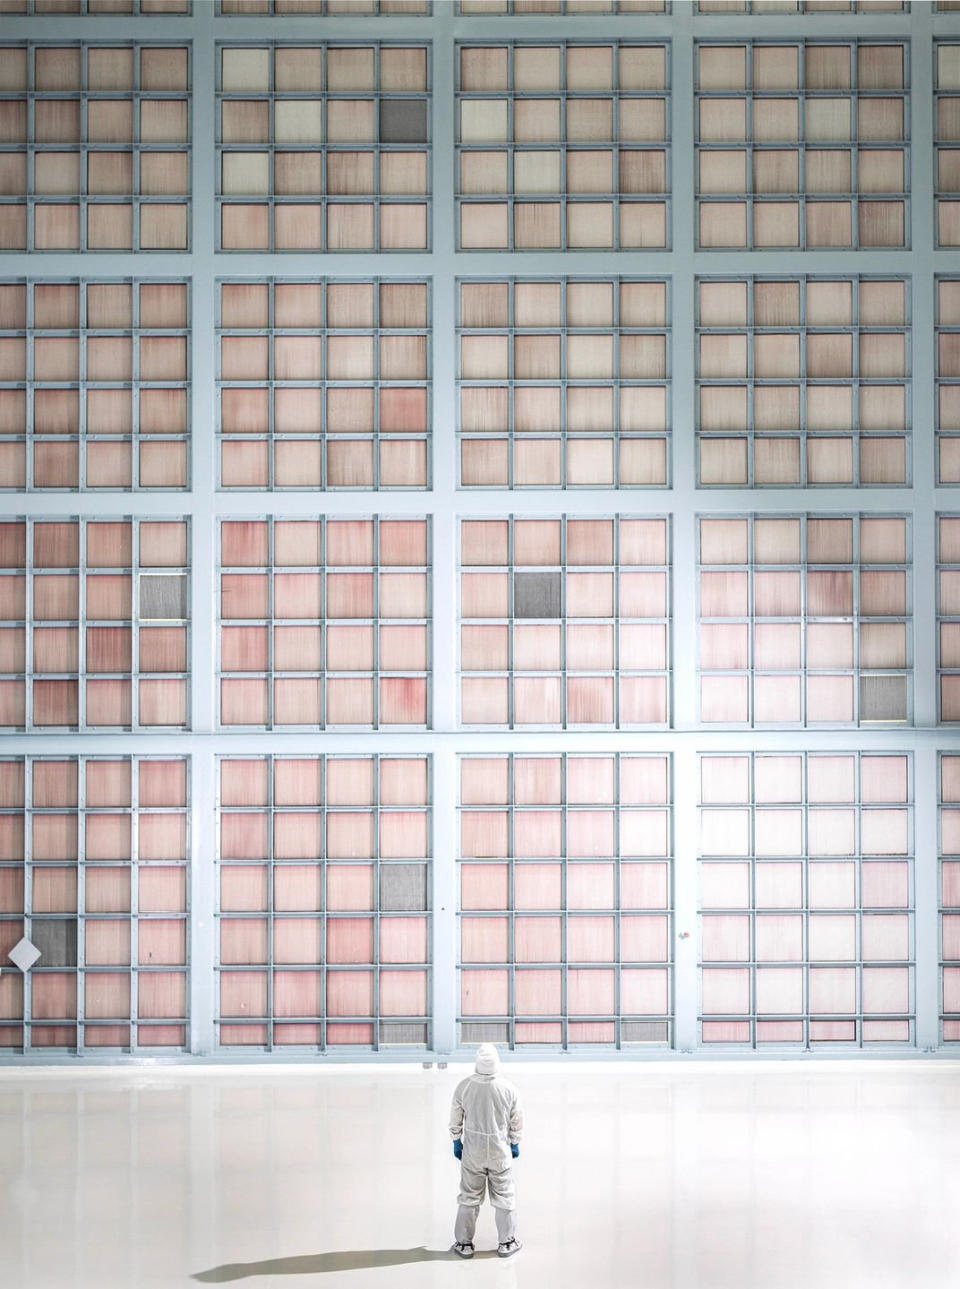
[[465, 1226], [473, 1184], [503, 1197], [506, 1224]]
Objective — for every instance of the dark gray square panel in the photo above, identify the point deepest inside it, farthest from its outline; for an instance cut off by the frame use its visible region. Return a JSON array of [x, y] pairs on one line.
[[643, 1031], [536, 595], [883, 698], [403, 888], [403, 1032], [485, 1033], [56, 938], [163, 597], [403, 120]]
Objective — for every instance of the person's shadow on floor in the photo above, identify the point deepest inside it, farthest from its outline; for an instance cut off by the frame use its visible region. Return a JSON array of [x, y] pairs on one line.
[[322, 1263]]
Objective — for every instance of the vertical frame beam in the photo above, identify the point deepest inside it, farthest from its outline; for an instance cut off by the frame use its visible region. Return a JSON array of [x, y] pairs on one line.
[[203, 691], [684, 536], [444, 540], [925, 635]]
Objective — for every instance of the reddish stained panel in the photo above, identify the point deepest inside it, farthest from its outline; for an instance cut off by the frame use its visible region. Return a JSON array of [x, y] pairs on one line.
[[298, 993], [349, 993], [484, 779], [297, 835], [537, 939], [243, 940], [644, 939], [590, 886], [161, 994], [350, 1035], [54, 837], [484, 992], [298, 940], [484, 939], [54, 995], [10, 933], [590, 779], [107, 783], [483, 834], [244, 836], [538, 1032], [11, 836], [163, 783], [536, 780], [242, 1035], [537, 832], [243, 888], [54, 784], [162, 836], [53, 1035], [163, 890], [349, 887], [403, 834], [162, 942], [350, 782], [403, 939], [54, 891], [243, 993], [350, 940], [403, 993], [484, 886], [350, 835], [590, 832], [298, 782], [11, 890], [244, 782], [589, 991], [107, 836], [403, 782], [106, 1035], [538, 886], [106, 996], [403, 701]]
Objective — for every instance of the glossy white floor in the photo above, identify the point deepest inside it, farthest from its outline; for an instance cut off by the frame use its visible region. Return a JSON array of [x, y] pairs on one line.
[[773, 1175]]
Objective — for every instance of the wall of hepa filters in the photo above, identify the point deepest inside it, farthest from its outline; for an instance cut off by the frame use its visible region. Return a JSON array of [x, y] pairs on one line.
[[480, 541]]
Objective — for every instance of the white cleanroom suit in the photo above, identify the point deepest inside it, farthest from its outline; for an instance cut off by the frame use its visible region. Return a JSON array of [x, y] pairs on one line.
[[486, 1115]]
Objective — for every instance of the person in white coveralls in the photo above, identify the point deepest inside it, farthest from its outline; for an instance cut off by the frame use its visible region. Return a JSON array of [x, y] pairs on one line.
[[486, 1123]]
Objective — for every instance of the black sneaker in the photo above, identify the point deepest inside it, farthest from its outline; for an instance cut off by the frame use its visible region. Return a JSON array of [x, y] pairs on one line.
[[508, 1248], [463, 1250]]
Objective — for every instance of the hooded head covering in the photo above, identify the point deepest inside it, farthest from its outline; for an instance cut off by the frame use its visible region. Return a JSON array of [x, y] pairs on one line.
[[488, 1059]]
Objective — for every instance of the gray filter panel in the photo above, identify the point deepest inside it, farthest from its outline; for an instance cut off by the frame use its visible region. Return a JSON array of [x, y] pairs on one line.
[[536, 595], [163, 597], [403, 1033], [403, 888], [403, 121], [56, 938], [883, 698]]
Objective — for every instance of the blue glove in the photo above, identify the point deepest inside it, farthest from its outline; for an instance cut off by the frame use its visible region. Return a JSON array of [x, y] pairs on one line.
[[458, 1148], [515, 1150]]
